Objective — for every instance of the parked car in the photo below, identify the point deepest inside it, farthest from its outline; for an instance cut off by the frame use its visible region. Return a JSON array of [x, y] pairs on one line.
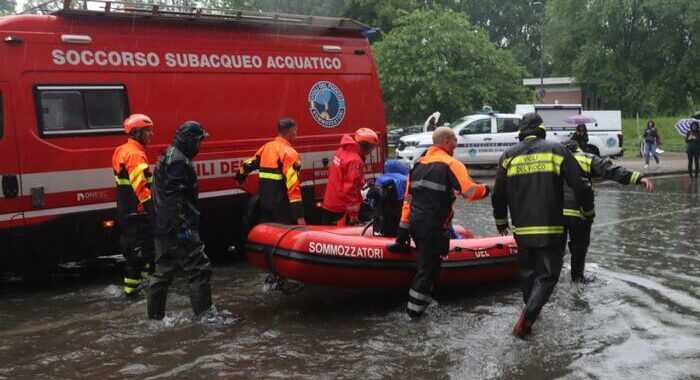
[[395, 134], [481, 138]]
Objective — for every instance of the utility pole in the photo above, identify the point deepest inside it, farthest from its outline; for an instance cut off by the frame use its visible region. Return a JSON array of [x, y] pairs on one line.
[[540, 91]]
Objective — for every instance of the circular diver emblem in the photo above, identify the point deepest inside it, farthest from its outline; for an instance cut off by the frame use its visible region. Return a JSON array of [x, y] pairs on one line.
[[326, 104]]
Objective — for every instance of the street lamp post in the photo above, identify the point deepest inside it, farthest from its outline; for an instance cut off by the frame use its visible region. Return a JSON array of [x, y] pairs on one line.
[[541, 91]]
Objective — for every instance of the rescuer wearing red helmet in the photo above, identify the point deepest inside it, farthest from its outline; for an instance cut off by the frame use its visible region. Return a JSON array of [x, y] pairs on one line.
[[342, 200], [134, 205]]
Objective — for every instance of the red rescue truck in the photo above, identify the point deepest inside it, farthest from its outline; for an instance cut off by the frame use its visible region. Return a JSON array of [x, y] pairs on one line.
[[70, 72]]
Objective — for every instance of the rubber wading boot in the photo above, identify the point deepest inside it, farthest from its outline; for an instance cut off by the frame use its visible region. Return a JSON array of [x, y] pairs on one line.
[[523, 328], [200, 299], [156, 304]]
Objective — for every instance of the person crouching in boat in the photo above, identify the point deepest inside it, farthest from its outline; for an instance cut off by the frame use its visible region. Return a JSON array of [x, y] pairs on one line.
[[343, 198], [432, 187], [385, 197]]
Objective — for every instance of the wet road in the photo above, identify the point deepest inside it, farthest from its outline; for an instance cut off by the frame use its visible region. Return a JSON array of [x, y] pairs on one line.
[[638, 319]]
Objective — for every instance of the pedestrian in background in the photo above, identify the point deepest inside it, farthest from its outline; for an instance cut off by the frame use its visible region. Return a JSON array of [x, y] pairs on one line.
[[177, 239], [692, 140], [651, 143], [581, 136]]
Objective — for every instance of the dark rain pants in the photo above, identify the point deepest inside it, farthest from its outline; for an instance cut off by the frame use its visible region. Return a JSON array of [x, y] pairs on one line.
[[138, 250], [539, 273], [693, 158], [280, 215], [431, 246], [579, 240], [195, 264]]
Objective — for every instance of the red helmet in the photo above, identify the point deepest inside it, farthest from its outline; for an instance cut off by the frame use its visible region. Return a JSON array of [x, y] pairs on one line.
[[137, 120], [367, 135]]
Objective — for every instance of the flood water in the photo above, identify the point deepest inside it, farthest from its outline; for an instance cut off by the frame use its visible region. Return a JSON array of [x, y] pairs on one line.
[[638, 319]]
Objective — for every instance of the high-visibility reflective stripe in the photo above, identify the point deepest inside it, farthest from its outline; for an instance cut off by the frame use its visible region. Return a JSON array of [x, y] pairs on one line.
[[535, 163], [572, 212], [584, 162], [122, 181], [470, 191], [635, 177], [273, 176], [294, 200], [129, 289], [145, 200], [138, 170], [538, 230], [428, 184], [419, 296], [588, 213], [135, 182], [132, 281], [144, 275], [501, 222], [413, 307], [403, 224], [292, 177]]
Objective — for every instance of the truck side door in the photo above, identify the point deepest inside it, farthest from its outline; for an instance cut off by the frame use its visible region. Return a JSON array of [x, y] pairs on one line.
[[11, 215], [506, 134]]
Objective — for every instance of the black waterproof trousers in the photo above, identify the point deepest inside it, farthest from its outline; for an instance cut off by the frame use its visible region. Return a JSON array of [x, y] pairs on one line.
[[330, 218], [579, 240], [539, 273], [136, 241], [431, 246], [191, 258], [693, 158]]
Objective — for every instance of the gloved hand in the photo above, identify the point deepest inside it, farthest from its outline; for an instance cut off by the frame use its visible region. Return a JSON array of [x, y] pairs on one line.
[[588, 215], [488, 190], [240, 178], [503, 229], [402, 236], [188, 236]]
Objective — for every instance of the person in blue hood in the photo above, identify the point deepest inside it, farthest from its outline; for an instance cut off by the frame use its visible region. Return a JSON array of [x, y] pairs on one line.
[[386, 197]]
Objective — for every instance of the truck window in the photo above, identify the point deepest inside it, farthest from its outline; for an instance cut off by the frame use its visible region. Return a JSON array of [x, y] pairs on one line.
[[75, 110], [506, 125], [477, 127]]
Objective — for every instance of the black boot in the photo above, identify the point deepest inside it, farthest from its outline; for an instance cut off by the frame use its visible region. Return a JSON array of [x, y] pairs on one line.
[[156, 302], [200, 298]]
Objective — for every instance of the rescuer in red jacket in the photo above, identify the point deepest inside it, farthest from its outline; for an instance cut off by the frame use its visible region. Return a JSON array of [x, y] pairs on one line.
[[134, 204], [342, 200]]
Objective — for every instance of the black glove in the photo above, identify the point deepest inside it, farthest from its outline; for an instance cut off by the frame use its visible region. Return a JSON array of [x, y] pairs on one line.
[[150, 209], [240, 178], [188, 236], [402, 236], [402, 244], [488, 190], [588, 215]]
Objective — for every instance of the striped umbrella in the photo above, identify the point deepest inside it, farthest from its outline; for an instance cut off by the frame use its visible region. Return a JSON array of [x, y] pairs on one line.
[[683, 125]]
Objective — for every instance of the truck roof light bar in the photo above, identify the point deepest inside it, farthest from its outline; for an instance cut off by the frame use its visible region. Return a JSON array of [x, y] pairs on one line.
[[189, 14]]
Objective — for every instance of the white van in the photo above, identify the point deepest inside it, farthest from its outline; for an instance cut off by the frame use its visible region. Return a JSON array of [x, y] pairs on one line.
[[604, 136], [481, 139]]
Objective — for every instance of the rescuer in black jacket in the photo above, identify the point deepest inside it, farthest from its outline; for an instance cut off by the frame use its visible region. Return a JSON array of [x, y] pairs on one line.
[[577, 227], [530, 182], [177, 223]]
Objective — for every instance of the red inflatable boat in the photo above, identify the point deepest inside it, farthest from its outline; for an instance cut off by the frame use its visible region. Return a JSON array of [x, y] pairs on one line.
[[352, 257]]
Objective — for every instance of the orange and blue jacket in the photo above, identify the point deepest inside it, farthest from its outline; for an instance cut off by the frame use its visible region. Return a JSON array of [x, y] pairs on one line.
[[279, 165], [435, 181], [133, 176]]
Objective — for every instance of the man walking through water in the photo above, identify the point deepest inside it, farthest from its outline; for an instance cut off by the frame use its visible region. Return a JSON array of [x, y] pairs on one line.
[[433, 184], [530, 183]]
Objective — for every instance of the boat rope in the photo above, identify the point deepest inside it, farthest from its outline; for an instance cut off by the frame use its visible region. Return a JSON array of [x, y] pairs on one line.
[[271, 253], [460, 249]]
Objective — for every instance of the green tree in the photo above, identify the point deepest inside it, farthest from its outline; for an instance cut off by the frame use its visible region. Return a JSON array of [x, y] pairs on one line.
[[437, 60], [640, 54], [7, 7]]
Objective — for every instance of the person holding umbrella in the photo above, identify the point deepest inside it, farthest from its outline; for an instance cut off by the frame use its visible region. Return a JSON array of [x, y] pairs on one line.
[[692, 140]]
